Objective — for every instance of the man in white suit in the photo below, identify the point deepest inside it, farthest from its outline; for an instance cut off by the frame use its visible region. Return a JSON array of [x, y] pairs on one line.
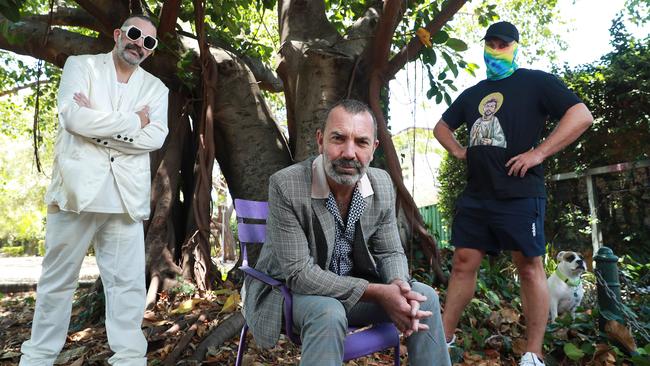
[[112, 113]]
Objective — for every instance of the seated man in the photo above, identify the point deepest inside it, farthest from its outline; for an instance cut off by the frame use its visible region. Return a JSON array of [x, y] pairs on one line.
[[332, 237]]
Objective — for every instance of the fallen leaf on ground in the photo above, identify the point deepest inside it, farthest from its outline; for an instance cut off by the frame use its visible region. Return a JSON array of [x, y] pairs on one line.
[[231, 304], [69, 355], [78, 362], [186, 306], [604, 356]]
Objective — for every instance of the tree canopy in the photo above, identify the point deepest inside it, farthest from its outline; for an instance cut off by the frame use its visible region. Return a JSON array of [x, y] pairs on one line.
[[617, 90], [229, 65]]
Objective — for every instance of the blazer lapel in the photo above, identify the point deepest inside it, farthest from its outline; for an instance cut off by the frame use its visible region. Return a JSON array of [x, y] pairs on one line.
[[326, 224], [111, 80], [367, 220]]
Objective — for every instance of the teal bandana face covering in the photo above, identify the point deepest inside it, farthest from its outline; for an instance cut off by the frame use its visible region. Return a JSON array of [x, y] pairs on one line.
[[500, 63]]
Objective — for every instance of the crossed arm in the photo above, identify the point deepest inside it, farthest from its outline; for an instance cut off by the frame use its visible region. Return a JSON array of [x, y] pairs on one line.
[[82, 101], [133, 132], [148, 137]]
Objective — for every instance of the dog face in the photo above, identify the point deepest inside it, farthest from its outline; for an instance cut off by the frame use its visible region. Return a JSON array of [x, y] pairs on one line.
[[565, 289], [571, 263]]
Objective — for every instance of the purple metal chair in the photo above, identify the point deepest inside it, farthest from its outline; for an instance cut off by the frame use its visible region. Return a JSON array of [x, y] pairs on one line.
[[251, 227]]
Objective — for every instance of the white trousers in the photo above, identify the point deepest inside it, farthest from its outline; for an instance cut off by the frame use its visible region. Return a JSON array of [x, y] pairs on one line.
[[119, 247]]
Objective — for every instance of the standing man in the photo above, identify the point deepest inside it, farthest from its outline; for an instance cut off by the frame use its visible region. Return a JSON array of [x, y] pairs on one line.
[[502, 207], [112, 113], [332, 238]]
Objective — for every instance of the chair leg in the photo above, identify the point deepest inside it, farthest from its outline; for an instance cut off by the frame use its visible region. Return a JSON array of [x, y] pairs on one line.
[[397, 360], [241, 349]]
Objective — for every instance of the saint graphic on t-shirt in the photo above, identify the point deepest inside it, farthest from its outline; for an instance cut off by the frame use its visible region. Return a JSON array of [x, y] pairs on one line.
[[487, 129]]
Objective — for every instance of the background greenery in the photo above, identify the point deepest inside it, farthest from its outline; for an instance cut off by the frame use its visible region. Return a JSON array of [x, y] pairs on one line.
[[617, 91], [22, 188]]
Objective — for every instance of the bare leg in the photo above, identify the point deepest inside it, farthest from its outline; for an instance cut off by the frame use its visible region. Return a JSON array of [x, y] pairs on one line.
[[534, 289], [461, 286]]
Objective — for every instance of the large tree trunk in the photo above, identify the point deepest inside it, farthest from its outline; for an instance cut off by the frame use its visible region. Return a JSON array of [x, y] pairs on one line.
[[162, 268], [225, 117], [249, 144], [319, 67]]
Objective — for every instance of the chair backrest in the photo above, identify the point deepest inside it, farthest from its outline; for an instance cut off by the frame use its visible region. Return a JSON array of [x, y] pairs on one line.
[[251, 224]]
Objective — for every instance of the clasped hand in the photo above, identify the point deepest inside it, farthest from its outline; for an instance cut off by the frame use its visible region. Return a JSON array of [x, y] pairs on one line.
[[403, 306]]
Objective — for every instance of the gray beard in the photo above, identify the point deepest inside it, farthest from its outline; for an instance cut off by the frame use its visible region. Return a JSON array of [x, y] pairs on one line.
[[342, 179], [126, 57]]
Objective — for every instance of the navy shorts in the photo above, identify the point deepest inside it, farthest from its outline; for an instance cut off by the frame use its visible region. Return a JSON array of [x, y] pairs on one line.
[[492, 225]]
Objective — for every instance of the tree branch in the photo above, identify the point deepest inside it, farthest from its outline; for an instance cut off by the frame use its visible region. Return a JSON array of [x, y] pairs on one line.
[[305, 20], [136, 6], [108, 13], [410, 52], [227, 329], [265, 76], [68, 17], [183, 342], [168, 17], [27, 39], [359, 34], [21, 87], [379, 62]]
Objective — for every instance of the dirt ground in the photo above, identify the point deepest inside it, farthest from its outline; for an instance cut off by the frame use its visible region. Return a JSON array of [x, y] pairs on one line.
[[164, 327]]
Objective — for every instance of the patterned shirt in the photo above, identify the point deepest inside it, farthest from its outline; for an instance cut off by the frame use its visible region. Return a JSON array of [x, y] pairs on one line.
[[341, 263]]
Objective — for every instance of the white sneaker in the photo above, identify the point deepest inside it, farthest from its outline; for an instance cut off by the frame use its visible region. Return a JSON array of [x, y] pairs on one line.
[[451, 343], [530, 359]]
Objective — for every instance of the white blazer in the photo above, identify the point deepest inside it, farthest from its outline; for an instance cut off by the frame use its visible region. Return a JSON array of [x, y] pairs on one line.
[[107, 136]]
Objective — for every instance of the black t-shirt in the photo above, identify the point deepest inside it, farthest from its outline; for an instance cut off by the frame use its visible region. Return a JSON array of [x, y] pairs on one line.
[[505, 118]]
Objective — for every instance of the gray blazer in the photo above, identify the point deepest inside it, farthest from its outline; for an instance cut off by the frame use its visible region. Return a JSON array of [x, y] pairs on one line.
[[299, 244]]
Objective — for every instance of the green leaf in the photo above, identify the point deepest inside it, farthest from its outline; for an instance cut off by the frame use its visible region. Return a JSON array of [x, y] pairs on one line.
[[494, 298], [573, 352], [428, 56], [433, 91], [440, 37], [641, 360], [456, 44], [588, 348], [450, 63], [491, 295]]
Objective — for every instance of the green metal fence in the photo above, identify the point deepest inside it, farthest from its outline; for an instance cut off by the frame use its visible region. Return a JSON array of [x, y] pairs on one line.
[[436, 226]]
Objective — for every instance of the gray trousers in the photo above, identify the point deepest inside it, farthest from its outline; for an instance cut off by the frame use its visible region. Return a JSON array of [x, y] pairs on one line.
[[322, 324]]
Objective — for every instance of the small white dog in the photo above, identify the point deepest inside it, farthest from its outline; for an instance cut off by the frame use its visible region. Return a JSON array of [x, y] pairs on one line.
[[565, 286]]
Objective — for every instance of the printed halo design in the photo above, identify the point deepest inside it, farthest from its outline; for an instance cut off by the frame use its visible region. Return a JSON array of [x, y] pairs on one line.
[[496, 95]]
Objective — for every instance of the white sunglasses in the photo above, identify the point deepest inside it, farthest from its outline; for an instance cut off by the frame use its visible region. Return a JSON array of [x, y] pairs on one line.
[[134, 33]]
